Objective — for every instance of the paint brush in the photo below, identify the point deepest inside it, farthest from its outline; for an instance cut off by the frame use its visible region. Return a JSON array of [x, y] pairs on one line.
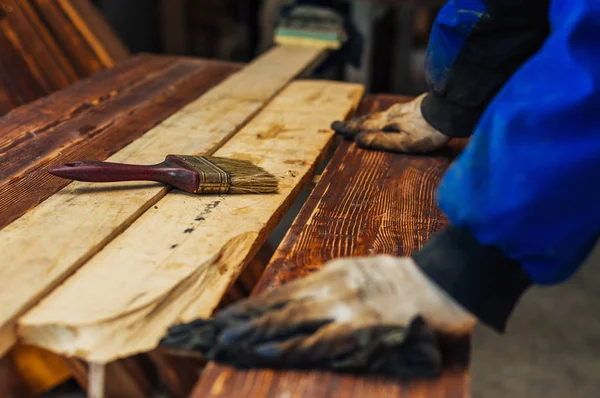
[[193, 174]]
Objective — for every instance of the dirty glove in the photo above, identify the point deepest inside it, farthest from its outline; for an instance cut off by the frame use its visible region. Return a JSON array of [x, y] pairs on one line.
[[401, 128], [377, 314]]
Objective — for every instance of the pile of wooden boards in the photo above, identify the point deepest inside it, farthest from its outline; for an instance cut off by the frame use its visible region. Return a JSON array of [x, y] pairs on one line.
[[100, 273], [48, 45]]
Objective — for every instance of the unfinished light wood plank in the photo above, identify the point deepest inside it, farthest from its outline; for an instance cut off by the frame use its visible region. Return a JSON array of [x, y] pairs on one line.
[[366, 202], [176, 261], [43, 247]]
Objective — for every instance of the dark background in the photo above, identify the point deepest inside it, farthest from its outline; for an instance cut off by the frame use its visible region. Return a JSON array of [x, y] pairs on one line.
[[231, 30]]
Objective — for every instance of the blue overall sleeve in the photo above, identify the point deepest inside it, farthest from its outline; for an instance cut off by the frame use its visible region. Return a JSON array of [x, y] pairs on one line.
[[474, 48], [523, 198]]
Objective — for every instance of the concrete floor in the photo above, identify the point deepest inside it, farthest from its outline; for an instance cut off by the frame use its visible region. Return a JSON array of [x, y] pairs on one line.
[[552, 346]]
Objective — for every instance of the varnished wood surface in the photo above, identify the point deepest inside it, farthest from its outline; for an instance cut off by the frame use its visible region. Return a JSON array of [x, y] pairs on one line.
[[365, 203], [48, 45], [92, 120]]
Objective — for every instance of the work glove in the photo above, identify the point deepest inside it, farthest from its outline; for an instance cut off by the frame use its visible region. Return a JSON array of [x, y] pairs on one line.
[[377, 314], [401, 128]]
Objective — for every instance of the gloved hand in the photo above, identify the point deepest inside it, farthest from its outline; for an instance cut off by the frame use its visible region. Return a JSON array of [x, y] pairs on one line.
[[367, 314], [401, 128]]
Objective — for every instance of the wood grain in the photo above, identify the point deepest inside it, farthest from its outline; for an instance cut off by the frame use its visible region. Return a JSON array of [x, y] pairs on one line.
[[81, 55], [366, 202], [97, 32], [45, 59], [21, 79], [48, 45], [177, 260], [71, 226], [91, 121]]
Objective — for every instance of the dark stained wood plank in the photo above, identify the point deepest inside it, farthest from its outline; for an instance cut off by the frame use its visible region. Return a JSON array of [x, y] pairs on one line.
[[48, 45], [43, 55], [8, 100], [92, 120], [130, 377], [20, 121], [19, 82], [96, 30], [33, 134], [179, 373], [365, 203], [77, 50]]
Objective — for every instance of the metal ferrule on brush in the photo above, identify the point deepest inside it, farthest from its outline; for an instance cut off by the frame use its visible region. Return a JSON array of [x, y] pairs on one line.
[[213, 180]]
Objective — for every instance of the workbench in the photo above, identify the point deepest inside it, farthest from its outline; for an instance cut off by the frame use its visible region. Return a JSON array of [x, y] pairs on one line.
[[365, 202]]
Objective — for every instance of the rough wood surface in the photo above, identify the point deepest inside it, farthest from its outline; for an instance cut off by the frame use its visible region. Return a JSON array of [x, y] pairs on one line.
[[85, 121], [176, 261], [92, 120], [47, 45], [51, 241], [366, 202]]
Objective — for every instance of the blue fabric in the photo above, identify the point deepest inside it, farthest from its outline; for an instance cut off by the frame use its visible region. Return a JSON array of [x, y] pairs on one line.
[[529, 180], [449, 34]]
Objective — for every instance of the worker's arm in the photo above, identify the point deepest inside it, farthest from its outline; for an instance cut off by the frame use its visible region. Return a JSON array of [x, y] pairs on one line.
[[474, 47], [523, 198]]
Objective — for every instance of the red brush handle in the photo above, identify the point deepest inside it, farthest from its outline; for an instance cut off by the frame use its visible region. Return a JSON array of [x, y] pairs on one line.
[[165, 172]]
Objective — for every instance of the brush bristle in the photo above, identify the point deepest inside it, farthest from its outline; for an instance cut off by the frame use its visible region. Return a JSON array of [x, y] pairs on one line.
[[246, 177]]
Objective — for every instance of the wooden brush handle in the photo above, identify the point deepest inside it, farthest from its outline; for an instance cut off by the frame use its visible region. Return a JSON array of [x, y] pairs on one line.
[[165, 172]]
